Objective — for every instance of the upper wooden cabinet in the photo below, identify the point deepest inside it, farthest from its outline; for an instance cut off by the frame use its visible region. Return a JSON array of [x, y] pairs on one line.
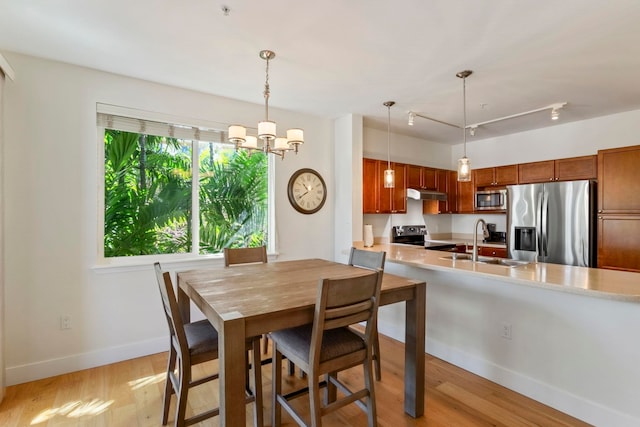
[[570, 169], [466, 194], [498, 176], [376, 198], [618, 178], [446, 182], [421, 177]]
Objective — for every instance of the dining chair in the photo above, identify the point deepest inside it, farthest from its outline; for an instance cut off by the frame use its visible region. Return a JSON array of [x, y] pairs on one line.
[[191, 344], [328, 346], [373, 260], [235, 256]]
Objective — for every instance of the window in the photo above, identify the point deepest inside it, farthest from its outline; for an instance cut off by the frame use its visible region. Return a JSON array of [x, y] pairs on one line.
[[176, 189]]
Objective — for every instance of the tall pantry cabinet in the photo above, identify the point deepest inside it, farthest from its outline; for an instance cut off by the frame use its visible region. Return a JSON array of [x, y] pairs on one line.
[[619, 208]]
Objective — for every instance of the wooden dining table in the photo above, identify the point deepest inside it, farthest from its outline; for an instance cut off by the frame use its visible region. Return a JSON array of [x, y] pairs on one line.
[[252, 299]]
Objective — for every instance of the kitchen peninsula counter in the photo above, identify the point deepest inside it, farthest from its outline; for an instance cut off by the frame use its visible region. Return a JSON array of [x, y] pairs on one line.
[[599, 283]]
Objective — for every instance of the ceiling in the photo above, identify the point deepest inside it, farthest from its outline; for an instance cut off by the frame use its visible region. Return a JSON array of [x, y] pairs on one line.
[[336, 57]]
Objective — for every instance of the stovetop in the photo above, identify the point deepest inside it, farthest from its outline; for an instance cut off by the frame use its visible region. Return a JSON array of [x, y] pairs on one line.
[[414, 235]]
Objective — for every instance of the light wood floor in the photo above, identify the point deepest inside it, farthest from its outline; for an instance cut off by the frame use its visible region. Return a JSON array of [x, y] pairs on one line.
[[129, 394]]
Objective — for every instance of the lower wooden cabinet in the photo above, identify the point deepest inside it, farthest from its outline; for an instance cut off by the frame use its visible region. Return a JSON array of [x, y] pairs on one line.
[[618, 242], [491, 251]]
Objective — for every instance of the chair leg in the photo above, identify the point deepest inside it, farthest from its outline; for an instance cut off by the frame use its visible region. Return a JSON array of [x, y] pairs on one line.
[[258, 417], [276, 385], [315, 407], [265, 344], [168, 387], [184, 373], [369, 385], [376, 356]]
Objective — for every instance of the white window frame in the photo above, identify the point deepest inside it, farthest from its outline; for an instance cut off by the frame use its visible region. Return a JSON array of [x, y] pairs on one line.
[[137, 260]]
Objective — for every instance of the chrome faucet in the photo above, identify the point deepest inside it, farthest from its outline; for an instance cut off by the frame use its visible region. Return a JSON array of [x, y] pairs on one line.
[[474, 256]]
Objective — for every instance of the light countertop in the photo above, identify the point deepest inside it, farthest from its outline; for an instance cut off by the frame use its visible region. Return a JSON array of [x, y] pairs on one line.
[[601, 283]]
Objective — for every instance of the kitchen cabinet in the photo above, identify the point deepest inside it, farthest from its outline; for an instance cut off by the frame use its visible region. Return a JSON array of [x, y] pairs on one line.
[[446, 182], [466, 194], [618, 242], [498, 176], [618, 178], [619, 208], [421, 177], [376, 198], [399, 192], [492, 251], [570, 169]]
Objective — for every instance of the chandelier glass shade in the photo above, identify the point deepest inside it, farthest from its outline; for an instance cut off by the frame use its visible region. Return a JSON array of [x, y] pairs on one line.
[[270, 142]]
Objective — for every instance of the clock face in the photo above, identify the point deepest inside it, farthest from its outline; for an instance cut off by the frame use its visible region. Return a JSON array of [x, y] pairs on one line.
[[307, 191]]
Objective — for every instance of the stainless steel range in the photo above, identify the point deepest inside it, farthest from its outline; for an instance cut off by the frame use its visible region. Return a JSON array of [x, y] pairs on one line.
[[414, 235]]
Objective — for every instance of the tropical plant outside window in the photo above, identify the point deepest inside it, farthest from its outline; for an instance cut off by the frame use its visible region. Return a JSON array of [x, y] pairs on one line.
[[149, 181]]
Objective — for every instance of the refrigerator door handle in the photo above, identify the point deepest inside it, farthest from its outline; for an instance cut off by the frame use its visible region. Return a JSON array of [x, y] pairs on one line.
[[545, 224], [539, 223]]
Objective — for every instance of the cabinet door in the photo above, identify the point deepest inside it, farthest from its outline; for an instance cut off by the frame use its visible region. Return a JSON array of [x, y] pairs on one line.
[[429, 179], [618, 178], [399, 192], [370, 186], [529, 173], [576, 168], [491, 251], [618, 242], [452, 191], [466, 193], [484, 177], [506, 175], [414, 176]]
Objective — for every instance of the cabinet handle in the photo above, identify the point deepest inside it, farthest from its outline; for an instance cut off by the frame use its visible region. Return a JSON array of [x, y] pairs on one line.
[[599, 217], [551, 179]]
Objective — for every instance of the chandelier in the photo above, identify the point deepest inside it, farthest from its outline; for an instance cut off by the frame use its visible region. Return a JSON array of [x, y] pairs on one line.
[[267, 128]]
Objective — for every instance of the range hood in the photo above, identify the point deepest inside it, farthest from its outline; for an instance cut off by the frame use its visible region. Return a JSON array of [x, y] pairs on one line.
[[416, 194]]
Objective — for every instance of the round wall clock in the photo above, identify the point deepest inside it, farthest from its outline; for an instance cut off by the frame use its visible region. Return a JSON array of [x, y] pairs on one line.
[[307, 191]]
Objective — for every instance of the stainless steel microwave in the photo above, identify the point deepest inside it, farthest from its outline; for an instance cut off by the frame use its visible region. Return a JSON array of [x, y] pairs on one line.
[[491, 200]]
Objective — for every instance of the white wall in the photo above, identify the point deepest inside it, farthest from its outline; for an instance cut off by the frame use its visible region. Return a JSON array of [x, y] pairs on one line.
[[50, 203]]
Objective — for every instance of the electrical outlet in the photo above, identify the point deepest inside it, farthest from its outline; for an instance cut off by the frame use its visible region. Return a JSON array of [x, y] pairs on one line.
[[506, 331], [65, 322]]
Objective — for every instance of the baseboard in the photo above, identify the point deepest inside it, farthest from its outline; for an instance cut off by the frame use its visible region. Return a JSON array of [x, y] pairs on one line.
[[576, 406], [76, 362]]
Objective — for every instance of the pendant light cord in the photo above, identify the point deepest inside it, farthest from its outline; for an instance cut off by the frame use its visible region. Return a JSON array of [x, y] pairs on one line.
[[389, 137], [464, 114]]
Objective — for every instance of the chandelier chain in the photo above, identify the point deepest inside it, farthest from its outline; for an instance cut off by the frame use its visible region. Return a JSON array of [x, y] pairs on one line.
[[266, 91]]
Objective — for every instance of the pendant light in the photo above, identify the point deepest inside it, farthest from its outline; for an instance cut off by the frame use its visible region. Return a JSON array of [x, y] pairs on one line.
[[266, 128], [389, 174], [464, 166]]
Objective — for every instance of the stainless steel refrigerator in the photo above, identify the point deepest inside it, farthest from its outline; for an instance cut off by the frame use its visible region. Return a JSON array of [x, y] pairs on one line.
[[552, 222]]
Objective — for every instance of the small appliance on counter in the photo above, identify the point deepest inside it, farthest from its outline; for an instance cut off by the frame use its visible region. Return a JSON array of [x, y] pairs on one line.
[[495, 236], [415, 235]]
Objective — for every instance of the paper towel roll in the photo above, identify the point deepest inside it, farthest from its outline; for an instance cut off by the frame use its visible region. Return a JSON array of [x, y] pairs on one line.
[[368, 235]]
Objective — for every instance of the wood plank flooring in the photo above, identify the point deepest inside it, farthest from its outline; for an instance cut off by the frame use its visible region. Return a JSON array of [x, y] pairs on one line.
[[129, 394]]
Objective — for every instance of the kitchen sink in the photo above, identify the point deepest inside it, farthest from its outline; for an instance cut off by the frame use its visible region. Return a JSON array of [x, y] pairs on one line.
[[485, 260]]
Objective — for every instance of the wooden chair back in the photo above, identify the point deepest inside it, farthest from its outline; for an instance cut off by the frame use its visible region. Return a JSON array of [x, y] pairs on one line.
[[342, 302], [367, 259], [171, 311], [234, 256]]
